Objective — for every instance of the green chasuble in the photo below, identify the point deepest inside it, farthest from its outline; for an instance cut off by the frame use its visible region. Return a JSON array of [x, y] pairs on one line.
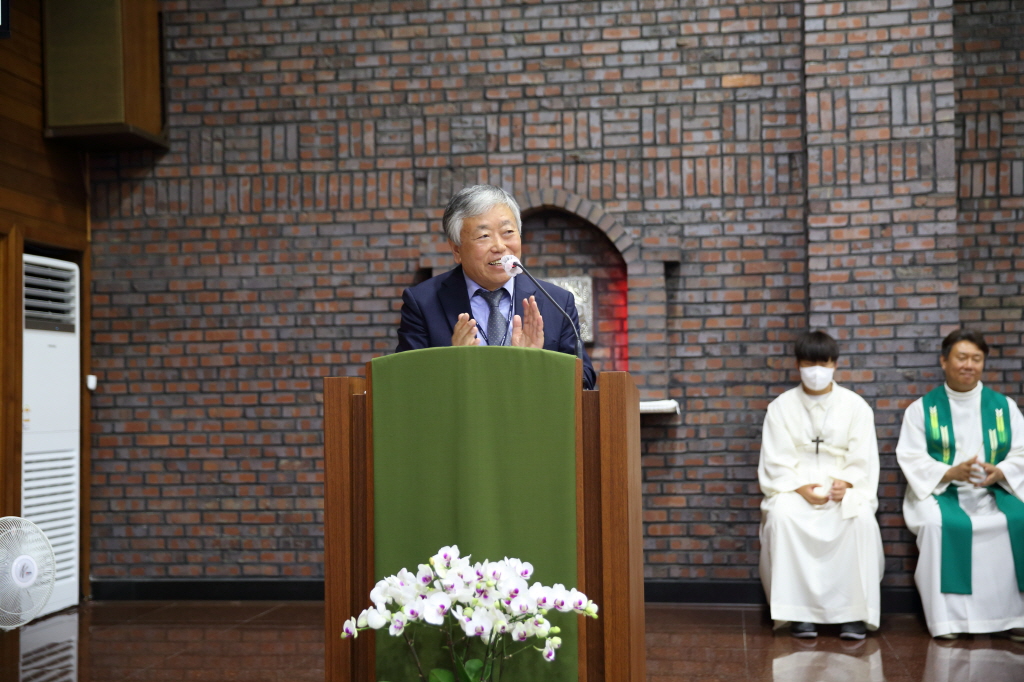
[[957, 533]]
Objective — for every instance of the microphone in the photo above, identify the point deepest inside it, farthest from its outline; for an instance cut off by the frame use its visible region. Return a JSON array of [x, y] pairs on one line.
[[513, 266]]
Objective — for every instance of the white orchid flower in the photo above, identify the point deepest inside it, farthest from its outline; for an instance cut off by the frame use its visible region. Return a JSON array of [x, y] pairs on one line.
[[379, 595], [501, 624], [512, 587], [415, 608], [442, 561], [424, 576], [542, 595], [524, 569], [377, 618], [577, 600], [437, 606], [457, 589], [489, 598], [480, 624], [348, 629], [402, 587], [397, 625], [496, 571], [486, 596], [462, 614], [520, 633], [467, 574], [522, 605], [538, 626], [560, 598]]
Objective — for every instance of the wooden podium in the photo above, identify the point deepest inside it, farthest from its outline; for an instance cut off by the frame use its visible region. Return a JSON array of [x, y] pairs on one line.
[[609, 553]]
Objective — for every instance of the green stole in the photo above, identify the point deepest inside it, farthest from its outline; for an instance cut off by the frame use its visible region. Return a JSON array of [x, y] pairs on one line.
[[956, 524]]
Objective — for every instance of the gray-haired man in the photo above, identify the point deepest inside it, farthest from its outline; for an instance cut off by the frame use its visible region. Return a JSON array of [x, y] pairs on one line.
[[478, 303]]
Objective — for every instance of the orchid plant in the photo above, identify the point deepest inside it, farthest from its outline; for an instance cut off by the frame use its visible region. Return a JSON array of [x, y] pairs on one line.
[[488, 602]]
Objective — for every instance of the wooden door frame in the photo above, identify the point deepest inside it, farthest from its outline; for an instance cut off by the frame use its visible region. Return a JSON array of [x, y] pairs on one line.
[[12, 246]]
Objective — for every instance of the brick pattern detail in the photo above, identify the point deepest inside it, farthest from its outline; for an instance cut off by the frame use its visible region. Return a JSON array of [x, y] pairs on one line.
[[990, 122], [734, 172], [882, 259]]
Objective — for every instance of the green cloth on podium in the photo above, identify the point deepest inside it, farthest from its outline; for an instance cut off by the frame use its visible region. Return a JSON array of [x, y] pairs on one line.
[[476, 447]]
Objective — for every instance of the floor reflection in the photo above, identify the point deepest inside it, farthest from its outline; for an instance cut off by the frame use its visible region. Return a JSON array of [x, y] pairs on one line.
[[862, 663], [283, 641], [140, 641], [968, 662]]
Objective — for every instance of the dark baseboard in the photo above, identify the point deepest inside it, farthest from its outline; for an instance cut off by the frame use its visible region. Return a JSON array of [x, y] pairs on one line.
[[704, 592], [894, 599], [203, 590]]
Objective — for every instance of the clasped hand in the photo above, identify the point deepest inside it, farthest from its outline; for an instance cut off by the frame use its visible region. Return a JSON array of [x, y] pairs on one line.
[[963, 472], [527, 331], [836, 493]]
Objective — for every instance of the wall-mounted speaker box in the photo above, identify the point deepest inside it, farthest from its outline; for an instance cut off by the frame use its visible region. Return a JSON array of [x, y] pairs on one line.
[[102, 68]]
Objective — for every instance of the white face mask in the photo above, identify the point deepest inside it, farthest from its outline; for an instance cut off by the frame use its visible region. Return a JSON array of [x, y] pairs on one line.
[[816, 378]]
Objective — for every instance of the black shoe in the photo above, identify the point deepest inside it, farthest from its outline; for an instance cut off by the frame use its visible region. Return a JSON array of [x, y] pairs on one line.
[[855, 630], [803, 630]]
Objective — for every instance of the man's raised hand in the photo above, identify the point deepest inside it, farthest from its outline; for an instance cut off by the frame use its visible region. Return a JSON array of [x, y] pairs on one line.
[[464, 333], [528, 331]]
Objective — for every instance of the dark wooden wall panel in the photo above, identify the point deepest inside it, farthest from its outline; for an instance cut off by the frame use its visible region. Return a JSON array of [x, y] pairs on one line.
[[43, 202], [10, 369], [41, 184], [143, 105]]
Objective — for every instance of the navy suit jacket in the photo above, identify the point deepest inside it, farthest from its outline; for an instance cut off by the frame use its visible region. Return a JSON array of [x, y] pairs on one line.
[[431, 309]]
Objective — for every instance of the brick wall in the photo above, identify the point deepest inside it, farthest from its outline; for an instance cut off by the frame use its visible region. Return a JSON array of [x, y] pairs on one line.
[[990, 125], [730, 173], [881, 209]]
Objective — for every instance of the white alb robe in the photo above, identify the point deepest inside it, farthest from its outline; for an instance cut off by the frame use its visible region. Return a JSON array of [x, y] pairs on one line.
[[824, 563], [995, 603]]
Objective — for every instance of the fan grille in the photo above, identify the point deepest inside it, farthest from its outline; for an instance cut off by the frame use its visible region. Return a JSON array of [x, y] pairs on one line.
[[19, 605]]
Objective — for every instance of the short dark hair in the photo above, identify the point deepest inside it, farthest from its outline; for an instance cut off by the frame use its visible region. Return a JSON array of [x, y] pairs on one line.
[[816, 347], [963, 334]]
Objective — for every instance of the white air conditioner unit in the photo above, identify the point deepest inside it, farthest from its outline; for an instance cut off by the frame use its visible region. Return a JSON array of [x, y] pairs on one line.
[[51, 416]]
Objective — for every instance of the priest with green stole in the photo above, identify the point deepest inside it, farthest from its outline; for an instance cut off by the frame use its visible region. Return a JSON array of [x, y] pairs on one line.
[[962, 450]]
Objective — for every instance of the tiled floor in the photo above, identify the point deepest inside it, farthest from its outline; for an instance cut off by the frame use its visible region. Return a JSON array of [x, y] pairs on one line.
[[724, 644], [283, 641]]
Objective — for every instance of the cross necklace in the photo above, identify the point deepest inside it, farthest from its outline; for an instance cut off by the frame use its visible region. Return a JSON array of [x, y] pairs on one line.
[[818, 440]]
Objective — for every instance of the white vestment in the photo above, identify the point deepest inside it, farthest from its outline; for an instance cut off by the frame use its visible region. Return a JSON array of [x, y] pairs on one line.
[[995, 603], [824, 563]]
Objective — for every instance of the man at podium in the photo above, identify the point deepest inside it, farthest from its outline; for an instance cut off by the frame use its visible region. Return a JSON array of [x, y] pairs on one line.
[[479, 303]]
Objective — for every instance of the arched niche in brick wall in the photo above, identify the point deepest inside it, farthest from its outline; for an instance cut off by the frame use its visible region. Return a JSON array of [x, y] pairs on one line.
[[557, 243], [644, 292]]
